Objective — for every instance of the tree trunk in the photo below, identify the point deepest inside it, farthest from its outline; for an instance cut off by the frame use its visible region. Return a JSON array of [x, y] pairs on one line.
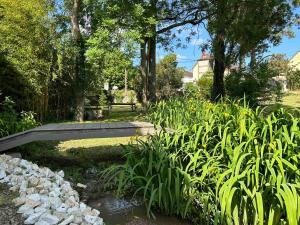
[[241, 61], [252, 59], [79, 63], [152, 70], [218, 90], [144, 72]]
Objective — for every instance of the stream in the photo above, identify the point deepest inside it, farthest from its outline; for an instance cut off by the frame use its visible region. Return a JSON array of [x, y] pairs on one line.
[[121, 211]]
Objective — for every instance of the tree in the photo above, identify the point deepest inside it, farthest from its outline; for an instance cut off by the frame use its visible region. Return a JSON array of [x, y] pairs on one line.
[[154, 20], [110, 53], [239, 27], [79, 70], [24, 48], [169, 77]]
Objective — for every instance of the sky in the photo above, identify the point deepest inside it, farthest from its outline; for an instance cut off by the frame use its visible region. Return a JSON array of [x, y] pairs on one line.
[[188, 56]]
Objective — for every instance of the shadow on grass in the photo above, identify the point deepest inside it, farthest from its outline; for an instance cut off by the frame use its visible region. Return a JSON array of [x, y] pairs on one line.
[[77, 162]]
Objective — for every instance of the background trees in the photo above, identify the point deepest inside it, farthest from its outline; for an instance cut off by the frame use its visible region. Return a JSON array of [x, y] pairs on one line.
[[240, 28], [168, 77], [53, 53]]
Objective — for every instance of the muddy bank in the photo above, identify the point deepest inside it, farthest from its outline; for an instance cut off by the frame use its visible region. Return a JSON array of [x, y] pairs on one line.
[[8, 211]]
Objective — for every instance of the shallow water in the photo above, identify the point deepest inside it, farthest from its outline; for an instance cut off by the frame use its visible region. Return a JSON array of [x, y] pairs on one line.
[[116, 211]]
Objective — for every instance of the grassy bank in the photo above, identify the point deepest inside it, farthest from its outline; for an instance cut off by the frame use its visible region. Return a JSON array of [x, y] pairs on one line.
[[224, 163]]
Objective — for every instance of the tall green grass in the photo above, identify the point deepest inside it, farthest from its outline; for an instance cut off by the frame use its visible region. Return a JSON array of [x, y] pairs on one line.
[[222, 163]]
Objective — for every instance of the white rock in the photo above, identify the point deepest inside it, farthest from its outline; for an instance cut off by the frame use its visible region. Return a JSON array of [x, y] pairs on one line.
[[24, 185], [50, 219], [90, 219], [62, 208], [61, 173], [19, 201], [14, 188], [95, 212], [42, 208], [81, 186], [33, 218], [45, 197], [34, 197], [73, 210], [32, 203], [82, 206], [67, 221], [41, 223], [78, 219], [25, 208], [55, 202]]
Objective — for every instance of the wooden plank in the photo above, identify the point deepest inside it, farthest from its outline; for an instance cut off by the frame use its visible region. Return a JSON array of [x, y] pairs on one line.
[[77, 131]]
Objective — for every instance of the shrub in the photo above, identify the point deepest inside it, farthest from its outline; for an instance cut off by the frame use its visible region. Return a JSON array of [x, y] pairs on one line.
[[120, 96], [294, 79], [256, 85], [11, 121], [205, 84], [220, 163]]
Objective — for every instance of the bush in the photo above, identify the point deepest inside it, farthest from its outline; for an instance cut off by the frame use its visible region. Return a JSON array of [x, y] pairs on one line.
[[221, 163], [255, 84], [119, 96], [205, 84], [12, 122], [294, 80]]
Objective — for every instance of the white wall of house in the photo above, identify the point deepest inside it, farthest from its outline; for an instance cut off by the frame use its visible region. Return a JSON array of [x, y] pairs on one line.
[[295, 61], [201, 67]]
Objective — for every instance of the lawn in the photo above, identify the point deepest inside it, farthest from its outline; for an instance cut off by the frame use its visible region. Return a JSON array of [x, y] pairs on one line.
[[292, 99]]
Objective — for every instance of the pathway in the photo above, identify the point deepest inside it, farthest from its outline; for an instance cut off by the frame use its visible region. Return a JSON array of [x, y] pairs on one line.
[[65, 131]]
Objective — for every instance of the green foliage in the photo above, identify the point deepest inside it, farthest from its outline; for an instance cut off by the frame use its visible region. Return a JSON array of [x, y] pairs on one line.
[[12, 122], [120, 96], [109, 54], [205, 84], [168, 77], [219, 163], [294, 80], [256, 85]]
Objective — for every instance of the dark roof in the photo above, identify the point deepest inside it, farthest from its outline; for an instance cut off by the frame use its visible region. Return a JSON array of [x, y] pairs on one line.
[[188, 74]]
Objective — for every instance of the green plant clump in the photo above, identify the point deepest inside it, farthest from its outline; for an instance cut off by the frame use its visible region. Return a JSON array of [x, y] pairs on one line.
[[11, 121], [221, 163]]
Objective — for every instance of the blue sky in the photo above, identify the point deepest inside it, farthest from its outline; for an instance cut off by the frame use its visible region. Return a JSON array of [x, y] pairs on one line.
[[188, 56]]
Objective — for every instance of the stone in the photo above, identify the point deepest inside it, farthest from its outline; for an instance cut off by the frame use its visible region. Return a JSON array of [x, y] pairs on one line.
[[45, 198], [33, 218], [82, 206], [81, 186], [62, 208], [14, 188], [61, 173], [78, 219], [32, 203], [95, 212], [19, 201], [50, 219], [41, 223], [42, 209], [34, 197], [24, 185], [90, 219], [25, 208], [67, 221]]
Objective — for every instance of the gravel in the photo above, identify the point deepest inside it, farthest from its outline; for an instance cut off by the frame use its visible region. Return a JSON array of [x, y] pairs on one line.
[[45, 198]]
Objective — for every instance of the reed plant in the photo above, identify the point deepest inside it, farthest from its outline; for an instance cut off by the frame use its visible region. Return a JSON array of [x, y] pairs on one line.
[[223, 163]]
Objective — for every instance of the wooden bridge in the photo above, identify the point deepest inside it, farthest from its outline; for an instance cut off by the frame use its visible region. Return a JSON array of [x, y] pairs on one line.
[[65, 131]]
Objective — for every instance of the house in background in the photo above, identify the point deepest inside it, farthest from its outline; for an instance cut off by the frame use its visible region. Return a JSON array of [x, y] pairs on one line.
[[187, 78], [295, 61], [206, 64], [203, 65]]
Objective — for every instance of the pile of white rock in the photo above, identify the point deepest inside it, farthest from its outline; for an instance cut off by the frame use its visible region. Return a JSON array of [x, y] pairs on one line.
[[45, 197]]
